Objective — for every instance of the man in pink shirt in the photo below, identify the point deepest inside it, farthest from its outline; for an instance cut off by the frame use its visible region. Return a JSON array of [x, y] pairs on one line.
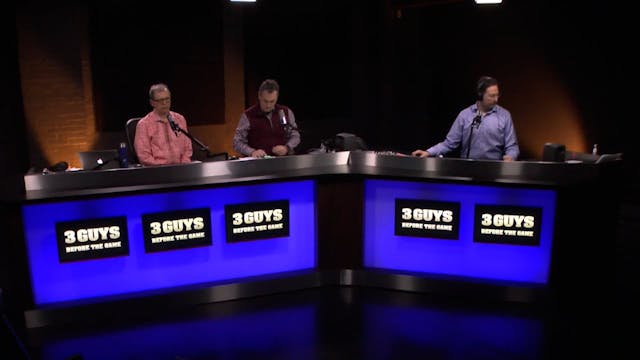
[[156, 142]]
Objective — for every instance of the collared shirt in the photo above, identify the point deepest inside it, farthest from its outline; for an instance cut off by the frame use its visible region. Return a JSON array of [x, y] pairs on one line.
[[157, 144], [241, 137], [492, 138]]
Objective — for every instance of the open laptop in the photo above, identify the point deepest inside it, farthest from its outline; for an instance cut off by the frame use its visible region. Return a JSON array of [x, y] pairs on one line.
[[99, 159]]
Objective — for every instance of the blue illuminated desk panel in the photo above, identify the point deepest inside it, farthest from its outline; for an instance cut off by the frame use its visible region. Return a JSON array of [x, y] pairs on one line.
[[54, 281], [501, 258]]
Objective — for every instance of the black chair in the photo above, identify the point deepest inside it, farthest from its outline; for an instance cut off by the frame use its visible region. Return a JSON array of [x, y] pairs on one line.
[[130, 129]]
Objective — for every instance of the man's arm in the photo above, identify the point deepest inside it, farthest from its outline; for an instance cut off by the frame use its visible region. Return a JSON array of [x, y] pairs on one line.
[[511, 148], [452, 141], [142, 144], [187, 152], [240, 138], [294, 135], [420, 153]]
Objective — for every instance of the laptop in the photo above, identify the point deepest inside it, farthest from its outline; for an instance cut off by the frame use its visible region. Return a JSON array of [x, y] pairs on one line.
[[99, 159], [609, 157]]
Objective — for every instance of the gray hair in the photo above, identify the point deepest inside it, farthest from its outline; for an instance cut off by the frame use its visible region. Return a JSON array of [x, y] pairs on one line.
[[155, 88], [269, 86]]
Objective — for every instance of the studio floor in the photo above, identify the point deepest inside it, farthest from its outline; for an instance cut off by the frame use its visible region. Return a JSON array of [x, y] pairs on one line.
[[346, 323]]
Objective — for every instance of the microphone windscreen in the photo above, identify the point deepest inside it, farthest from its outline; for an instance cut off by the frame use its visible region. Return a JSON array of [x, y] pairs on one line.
[[283, 119], [172, 123]]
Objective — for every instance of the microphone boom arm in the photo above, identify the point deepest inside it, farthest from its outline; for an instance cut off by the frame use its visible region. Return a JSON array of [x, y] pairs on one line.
[[204, 148]]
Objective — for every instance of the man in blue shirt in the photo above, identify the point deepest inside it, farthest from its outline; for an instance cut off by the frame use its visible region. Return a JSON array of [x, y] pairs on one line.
[[484, 130]]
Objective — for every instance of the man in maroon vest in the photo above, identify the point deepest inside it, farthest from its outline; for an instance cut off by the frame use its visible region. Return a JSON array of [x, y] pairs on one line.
[[267, 128]]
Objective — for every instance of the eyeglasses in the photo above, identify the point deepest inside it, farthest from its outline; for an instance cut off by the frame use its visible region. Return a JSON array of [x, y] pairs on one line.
[[163, 100]]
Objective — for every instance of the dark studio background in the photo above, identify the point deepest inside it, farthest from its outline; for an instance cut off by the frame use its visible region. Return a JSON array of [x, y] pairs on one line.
[[394, 72]]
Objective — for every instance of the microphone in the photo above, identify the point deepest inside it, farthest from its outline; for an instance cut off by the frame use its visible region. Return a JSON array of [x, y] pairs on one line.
[[283, 119], [476, 121], [474, 124], [285, 123], [174, 126]]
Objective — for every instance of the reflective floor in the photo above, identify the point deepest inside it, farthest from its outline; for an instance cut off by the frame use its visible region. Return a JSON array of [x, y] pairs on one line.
[[346, 323]]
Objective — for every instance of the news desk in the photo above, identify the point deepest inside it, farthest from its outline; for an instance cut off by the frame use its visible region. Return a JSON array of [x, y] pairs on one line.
[[216, 231]]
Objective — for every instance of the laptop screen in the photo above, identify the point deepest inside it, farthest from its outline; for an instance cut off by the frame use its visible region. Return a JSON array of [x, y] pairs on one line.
[[99, 159]]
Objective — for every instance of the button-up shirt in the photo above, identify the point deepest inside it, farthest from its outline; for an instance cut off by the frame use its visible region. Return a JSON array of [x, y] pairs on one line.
[[491, 138], [157, 144]]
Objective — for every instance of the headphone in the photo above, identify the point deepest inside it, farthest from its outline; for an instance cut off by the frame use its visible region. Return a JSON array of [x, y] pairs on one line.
[[483, 83]]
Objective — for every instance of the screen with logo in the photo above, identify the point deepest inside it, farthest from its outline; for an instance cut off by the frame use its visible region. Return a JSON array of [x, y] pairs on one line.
[[90, 248], [499, 233], [254, 221], [176, 229], [517, 225], [433, 219], [92, 239]]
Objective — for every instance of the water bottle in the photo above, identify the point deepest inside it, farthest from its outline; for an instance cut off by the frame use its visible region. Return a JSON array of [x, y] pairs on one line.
[[122, 155], [594, 151]]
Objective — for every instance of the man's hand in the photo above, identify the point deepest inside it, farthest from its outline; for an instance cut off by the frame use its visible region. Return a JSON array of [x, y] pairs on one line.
[[507, 158], [420, 153], [258, 153], [280, 150]]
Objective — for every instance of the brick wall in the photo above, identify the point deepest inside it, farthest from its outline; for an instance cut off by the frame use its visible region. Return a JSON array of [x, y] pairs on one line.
[[55, 77], [55, 72]]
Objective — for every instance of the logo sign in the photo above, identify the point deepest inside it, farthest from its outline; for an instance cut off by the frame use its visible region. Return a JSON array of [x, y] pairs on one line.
[[179, 229], [516, 225], [92, 239], [424, 218], [264, 220]]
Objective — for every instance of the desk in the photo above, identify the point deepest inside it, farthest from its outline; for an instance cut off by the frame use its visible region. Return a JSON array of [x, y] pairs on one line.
[[317, 189]]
